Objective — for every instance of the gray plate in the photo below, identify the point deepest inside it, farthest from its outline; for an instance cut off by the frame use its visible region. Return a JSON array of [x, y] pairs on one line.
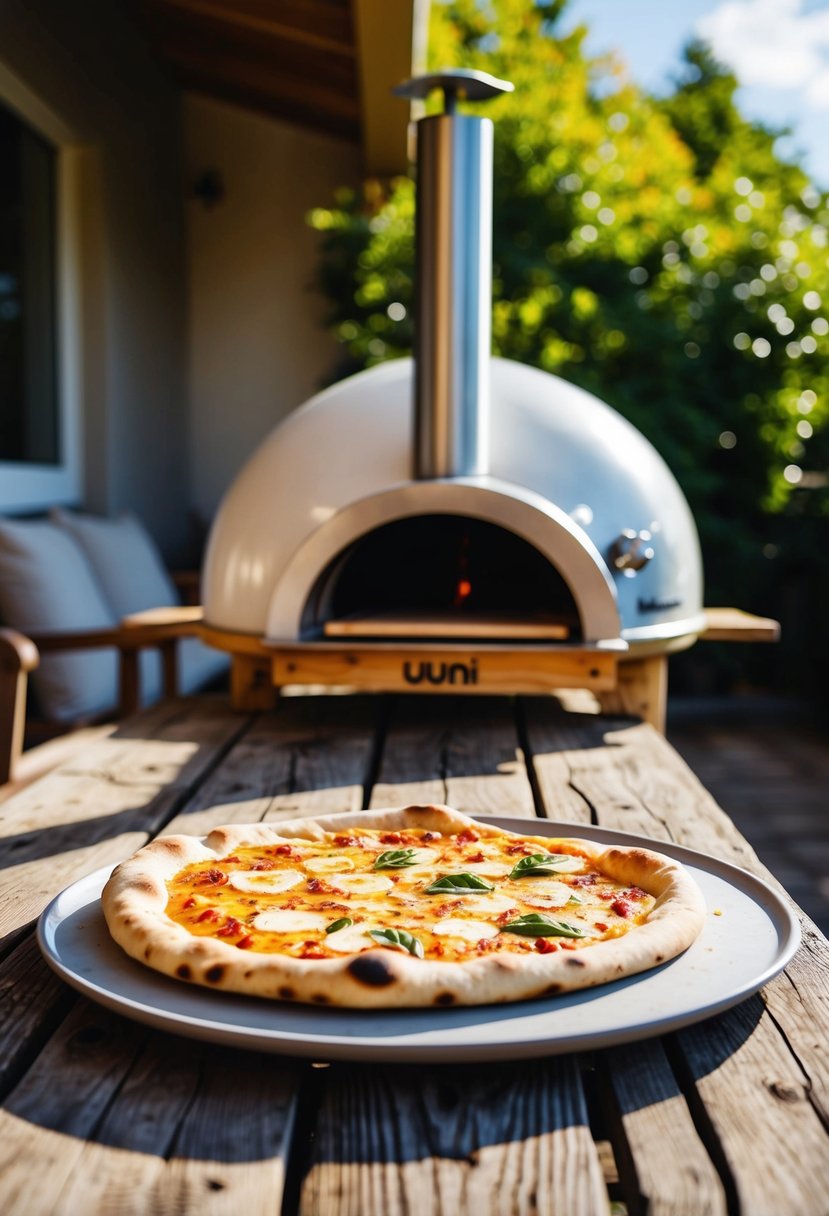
[[749, 940]]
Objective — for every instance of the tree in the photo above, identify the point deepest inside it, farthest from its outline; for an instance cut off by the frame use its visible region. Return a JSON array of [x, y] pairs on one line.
[[657, 252]]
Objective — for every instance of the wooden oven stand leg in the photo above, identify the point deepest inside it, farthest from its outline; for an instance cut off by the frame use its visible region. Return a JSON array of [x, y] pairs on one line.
[[641, 690], [251, 686]]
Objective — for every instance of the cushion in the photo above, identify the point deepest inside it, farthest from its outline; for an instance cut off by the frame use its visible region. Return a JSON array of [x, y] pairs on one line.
[[124, 560], [46, 584], [128, 566]]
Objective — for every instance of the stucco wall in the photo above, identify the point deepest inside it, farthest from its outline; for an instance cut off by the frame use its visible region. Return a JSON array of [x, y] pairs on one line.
[[89, 65], [257, 345]]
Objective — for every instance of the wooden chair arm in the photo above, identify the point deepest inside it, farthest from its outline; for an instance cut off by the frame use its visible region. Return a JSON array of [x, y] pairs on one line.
[[18, 656], [157, 628]]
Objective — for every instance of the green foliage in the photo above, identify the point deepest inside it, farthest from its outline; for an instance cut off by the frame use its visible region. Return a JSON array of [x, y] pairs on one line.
[[656, 252]]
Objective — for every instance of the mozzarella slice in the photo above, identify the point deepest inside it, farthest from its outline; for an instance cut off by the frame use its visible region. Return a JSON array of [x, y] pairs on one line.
[[529, 888], [491, 869], [469, 930], [477, 901], [289, 920], [361, 884], [264, 880], [328, 865], [554, 895], [350, 940]]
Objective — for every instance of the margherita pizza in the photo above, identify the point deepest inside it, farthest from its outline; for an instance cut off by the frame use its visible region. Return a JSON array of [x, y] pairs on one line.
[[406, 907]]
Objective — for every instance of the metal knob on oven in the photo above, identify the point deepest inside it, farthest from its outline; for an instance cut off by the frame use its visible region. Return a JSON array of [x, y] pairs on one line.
[[631, 551]]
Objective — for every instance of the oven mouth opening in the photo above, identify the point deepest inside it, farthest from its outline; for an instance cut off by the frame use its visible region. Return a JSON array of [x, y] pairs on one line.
[[441, 577]]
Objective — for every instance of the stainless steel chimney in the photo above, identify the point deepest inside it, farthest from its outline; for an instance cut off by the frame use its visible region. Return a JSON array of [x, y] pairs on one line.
[[454, 278]]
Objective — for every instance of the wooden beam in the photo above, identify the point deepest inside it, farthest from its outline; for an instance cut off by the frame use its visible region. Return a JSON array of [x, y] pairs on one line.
[[313, 23], [390, 41]]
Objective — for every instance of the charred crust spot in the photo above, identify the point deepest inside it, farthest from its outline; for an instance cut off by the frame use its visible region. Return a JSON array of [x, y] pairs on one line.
[[372, 970], [286, 993], [319, 998], [214, 974], [129, 920], [422, 809], [148, 951], [575, 961], [183, 971], [552, 989], [445, 998], [660, 958], [142, 884], [170, 844]]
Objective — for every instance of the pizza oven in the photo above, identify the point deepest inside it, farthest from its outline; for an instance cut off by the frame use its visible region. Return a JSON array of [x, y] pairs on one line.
[[452, 521]]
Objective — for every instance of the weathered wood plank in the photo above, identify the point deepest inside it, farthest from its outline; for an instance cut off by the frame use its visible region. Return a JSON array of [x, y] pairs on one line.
[[753, 1095], [192, 1128], [48, 1117], [32, 1002], [663, 1165], [636, 782], [552, 740], [126, 1152], [235, 1140], [105, 803], [308, 757], [459, 1140], [464, 753]]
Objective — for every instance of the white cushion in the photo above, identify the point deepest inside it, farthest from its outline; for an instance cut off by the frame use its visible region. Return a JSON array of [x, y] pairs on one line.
[[124, 559], [46, 585], [129, 568]]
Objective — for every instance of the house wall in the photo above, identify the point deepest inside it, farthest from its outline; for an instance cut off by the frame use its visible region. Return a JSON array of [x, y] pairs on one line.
[[90, 66], [257, 343]]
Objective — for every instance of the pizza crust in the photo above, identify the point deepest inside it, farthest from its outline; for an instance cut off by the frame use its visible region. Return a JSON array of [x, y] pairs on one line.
[[135, 897]]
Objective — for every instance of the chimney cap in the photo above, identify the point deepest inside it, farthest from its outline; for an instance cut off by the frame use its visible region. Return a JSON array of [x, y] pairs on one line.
[[458, 84]]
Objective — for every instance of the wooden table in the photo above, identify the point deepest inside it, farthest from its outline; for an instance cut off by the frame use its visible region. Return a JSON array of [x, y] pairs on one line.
[[102, 1115]]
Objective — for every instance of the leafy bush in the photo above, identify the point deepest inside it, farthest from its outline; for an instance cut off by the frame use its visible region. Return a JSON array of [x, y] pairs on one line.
[[658, 253]]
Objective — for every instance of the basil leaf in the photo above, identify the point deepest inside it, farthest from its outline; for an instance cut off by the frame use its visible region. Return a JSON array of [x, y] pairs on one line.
[[533, 925], [395, 859], [342, 923], [538, 863], [397, 939], [459, 882]]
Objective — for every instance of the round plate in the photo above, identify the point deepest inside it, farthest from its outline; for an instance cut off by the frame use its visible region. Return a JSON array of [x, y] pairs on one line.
[[749, 935]]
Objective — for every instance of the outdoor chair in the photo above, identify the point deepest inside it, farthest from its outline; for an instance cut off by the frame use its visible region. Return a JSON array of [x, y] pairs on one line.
[[81, 637]]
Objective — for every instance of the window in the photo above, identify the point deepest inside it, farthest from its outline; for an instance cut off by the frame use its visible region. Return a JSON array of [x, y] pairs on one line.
[[29, 414], [43, 265]]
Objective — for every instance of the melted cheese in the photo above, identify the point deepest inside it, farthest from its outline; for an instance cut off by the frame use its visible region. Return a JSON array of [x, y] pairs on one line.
[[289, 920], [265, 881], [467, 930], [328, 865], [269, 901]]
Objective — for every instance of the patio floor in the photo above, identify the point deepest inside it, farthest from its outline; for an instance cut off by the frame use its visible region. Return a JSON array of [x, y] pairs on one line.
[[766, 762]]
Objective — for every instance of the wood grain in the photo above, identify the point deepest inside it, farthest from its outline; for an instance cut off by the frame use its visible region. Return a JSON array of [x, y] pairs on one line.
[[105, 803], [471, 759], [753, 1095], [467, 1141], [48, 1118], [32, 1002], [308, 757], [659, 1153]]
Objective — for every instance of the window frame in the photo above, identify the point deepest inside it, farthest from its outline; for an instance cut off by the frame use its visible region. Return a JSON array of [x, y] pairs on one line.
[[28, 486]]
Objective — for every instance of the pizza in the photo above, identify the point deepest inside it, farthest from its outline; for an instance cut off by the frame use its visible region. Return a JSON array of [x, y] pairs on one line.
[[413, 906]]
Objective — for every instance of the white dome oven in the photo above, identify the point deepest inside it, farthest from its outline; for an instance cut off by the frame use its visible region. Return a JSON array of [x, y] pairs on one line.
[[455, 522]]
